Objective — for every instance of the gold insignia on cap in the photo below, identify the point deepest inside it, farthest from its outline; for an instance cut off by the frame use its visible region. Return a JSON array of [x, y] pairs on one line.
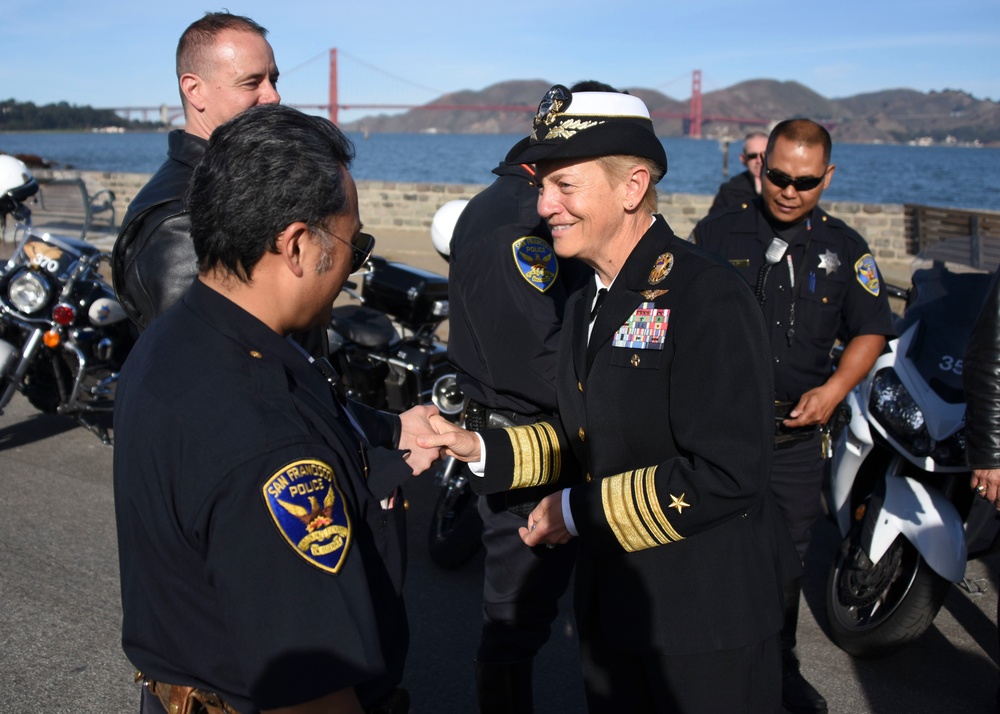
[[653, 294], [678, 502], [633, 510], [570, 127], [661, 268], [537, 459]]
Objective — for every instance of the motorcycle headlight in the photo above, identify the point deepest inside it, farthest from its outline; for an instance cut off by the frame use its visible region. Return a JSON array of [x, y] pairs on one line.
[[28, 292], [896, 410]]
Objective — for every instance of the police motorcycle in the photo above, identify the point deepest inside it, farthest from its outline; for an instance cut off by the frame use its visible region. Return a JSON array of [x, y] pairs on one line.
[[63, 334], [385, 346], [899, 484]]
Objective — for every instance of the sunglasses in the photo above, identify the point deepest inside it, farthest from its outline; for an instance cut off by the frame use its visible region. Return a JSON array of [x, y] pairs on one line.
[[803, 183], [751, 157], [362, 246]]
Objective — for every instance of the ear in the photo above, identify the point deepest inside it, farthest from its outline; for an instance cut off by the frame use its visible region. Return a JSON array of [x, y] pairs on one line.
[[192, 87], [293, 244], [829, 175], [636, 183]]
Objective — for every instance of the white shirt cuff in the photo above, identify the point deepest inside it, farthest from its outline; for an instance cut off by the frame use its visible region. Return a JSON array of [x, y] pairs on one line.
[[568, 514], [479, 467]]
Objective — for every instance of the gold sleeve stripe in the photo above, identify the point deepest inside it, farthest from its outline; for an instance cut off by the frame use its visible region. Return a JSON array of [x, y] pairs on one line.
[[633, 510], [537, 459]]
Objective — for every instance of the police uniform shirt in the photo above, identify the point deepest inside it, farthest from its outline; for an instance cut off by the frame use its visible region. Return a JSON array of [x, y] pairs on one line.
[[507, 293], [669, 410], [826, 286], [255, 561]]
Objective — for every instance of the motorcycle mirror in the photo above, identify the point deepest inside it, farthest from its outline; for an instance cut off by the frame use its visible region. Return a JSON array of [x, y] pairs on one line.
[[447, 396]]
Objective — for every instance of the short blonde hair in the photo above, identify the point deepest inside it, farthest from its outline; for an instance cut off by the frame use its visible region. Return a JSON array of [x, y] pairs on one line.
[[617, 167]]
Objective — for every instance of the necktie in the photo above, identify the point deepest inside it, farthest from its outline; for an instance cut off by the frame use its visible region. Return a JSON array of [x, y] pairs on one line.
[[598, 302]]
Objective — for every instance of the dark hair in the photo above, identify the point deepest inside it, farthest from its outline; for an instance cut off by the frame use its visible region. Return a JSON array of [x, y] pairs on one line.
[[802, 131], [263, 170], [592, 85]]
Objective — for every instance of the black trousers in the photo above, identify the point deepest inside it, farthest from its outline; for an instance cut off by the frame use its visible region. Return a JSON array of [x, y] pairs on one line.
[[744, 680], [521, 586], [797, 484]]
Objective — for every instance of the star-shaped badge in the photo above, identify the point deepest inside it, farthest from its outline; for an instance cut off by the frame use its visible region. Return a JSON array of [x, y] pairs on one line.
[[829, 262], [678, 502]]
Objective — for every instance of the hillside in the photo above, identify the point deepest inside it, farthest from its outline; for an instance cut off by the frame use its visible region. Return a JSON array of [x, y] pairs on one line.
[[890, 116]]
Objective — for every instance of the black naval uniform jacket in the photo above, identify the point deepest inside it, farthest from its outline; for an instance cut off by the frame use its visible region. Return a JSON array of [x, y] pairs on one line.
[[153, 261], [681, 547], [834, 280], [504, 324], [256, 558]]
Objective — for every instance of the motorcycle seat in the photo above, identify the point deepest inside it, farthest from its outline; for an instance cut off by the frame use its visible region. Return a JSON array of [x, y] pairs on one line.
[[363, 326]]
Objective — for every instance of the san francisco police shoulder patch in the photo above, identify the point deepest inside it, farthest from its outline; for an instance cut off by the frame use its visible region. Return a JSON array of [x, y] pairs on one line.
[[537, 261], [867, 273], [309, 510]]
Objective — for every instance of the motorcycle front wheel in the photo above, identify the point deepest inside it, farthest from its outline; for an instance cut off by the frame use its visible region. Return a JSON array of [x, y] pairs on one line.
[[875, 609], [456, 527]]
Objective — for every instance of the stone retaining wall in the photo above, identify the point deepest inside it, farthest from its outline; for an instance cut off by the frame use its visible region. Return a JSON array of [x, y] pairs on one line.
[[411, 206]]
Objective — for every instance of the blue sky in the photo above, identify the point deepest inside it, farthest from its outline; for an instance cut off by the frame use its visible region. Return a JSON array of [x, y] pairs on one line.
[[116, 54]]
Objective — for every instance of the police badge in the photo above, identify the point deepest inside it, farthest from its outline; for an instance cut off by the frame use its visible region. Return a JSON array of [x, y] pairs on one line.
[[308, 509], [536, 261]]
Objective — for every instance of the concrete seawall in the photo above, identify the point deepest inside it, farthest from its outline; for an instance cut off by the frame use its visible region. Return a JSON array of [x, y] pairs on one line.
[[411, 206]]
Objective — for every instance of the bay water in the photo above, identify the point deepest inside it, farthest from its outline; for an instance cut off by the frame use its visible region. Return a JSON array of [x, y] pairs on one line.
[[951, 176]]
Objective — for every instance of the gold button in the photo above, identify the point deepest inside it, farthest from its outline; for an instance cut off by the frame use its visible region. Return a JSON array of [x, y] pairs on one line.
[[825, 301], [255, 354], [579, 385], [582, 434], [406, 505], [635, 360], [589, 478]]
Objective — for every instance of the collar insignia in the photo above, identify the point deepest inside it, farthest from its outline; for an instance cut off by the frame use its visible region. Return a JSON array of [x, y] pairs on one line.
[[829, 262], [309, 511], [867, 273], [678, 502], [536, 261], [661, 268]]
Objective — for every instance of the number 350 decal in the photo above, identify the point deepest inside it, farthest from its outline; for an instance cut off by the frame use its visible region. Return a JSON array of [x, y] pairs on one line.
[[950, 364]]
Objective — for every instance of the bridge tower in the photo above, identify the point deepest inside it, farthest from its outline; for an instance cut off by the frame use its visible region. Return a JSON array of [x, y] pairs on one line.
[[695, 128], [333, 85]]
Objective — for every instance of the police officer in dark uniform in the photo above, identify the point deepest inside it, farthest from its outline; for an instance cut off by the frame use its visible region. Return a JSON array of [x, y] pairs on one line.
[[663, 393], [507, 291], [817, 282], [261, 565]]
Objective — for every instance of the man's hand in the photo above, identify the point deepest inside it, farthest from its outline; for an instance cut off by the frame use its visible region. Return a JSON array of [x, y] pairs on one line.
[[545, 523], [989, 480], [456, 441], [415, 423], [814, 407]]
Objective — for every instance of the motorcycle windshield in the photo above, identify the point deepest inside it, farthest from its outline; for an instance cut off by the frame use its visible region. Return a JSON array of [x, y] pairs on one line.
[[53, 254], [946, 305]]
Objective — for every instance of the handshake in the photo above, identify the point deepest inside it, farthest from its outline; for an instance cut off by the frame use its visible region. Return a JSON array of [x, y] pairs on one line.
[[429, 437]]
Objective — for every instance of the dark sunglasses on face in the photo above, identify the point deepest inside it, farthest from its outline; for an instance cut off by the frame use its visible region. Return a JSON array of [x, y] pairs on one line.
[[362, 246], [751, 157], [803, 183]]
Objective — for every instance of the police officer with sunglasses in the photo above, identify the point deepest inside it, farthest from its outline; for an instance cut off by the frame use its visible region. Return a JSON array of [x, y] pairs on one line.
[[816, 281], [744, 186]]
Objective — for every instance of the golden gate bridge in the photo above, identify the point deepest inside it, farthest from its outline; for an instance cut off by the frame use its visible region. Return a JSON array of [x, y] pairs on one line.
[[694, 118]]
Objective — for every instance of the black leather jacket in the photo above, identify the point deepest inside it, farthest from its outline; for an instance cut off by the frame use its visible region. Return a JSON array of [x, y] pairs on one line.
[[153, 261], [981, 375]]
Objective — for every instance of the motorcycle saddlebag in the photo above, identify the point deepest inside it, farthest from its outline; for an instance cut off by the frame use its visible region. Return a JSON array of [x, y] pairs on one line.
[[411, 295]]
